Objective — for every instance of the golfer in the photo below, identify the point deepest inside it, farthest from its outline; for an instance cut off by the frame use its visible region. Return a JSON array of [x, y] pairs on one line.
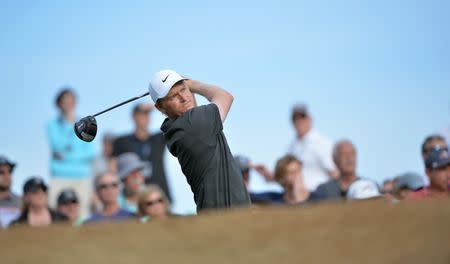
[[194, 135]]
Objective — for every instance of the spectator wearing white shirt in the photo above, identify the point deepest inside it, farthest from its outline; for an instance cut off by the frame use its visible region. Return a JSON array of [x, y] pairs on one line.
[[312, 148]]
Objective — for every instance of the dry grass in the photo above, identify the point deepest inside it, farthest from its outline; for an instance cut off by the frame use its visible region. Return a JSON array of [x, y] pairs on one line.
[[361, 232]]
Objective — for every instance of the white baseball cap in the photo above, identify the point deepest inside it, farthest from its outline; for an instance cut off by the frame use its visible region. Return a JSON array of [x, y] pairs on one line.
[[162, 82], [363, 189]]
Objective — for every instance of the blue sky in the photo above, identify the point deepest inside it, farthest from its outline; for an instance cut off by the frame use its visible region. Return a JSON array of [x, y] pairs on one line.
[[376, 72]]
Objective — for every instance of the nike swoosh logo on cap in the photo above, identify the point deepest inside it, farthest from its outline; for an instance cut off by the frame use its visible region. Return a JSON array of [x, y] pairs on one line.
[[165, 79]]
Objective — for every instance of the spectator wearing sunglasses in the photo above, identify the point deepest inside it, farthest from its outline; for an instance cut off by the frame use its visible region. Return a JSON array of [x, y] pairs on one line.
[[312, 148], [35, 210], [107, 189], [437, 169], [68, 204], [153, 203], [431, 143]]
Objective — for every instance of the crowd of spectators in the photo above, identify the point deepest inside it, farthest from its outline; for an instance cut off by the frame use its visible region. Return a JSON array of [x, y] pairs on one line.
[[127, 180]]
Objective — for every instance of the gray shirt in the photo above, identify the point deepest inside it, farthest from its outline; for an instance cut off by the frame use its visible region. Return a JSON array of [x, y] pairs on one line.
[[9, 209], [197, 140], [12, 201], [332, 190]]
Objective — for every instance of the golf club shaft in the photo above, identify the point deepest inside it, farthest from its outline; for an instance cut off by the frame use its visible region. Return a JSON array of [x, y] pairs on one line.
[[126, 102]]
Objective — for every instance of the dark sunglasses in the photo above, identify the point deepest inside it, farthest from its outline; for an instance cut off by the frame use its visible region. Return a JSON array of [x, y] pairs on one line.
[[107, 186], [151, 203], [436, 147]]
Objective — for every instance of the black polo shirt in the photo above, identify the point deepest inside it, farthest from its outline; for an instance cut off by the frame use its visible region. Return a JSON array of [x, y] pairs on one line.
[[197, 140]]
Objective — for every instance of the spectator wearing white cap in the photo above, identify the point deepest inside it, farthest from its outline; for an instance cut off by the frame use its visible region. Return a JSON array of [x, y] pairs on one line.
[[363, 189], [311, 147], [129, 170], [10, 203]]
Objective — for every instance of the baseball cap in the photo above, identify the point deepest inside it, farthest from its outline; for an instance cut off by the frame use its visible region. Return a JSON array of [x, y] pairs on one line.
[[67, 196], [438, 158], [243, 162], [300, 109], [33, 184], [410, 180], [127, 163], [363, 189], [162, 82], [5, 161]]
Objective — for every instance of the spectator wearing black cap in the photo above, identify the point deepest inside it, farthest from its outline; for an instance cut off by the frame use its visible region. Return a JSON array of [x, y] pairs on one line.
[[35, 210], [311, 147], [129, 170], [69, 205], [437, 169], [149, 147], [107, 188], [10, 203], [71, 158]]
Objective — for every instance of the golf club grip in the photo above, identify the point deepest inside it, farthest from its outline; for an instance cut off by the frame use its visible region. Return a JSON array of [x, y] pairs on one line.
[[126, 102]]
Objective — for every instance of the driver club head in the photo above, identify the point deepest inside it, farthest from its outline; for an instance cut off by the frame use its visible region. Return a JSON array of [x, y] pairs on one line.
[[86, 128]]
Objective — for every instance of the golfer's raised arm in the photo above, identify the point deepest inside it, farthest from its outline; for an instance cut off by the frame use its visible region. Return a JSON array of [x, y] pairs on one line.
[[214, 94]]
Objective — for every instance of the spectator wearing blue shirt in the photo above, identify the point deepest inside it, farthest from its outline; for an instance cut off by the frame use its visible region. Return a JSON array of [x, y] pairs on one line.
[[107, 189], [71, 159]]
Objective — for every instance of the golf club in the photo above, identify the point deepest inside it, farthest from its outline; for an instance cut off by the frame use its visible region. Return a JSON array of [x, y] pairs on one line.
[[86, 128]]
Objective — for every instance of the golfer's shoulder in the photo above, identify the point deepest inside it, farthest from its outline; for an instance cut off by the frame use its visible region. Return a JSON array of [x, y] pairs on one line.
[[208, 110]]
